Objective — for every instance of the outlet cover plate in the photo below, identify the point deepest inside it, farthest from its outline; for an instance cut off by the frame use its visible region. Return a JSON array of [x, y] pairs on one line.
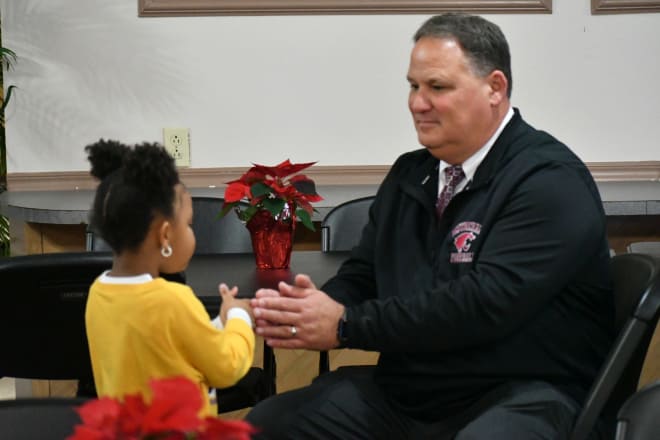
[[177, 143]]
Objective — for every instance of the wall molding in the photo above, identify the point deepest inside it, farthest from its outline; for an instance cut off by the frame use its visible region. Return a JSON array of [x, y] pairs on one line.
[[169, 8], [322, 175], [624, 6]]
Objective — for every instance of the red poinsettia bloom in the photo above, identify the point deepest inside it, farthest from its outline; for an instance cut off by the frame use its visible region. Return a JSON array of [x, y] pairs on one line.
[[99, 419], [273, 189], [175, 406], [171, 415], [216, 428]]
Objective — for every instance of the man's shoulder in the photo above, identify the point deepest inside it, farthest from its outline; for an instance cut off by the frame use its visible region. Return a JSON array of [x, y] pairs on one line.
[[548, 151], [539, 148], [412, 160], [415, 156]]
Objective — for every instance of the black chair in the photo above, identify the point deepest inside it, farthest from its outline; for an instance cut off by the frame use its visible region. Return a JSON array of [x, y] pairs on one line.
[[645, 247], [94, 242], [217, 235], [637, 296], [228, 235], [341, 230], [42, 330], [638, 417], [214, 235], [51, 418]]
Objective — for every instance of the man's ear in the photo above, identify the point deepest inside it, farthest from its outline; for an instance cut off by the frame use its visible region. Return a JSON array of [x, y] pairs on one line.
[[499, 87]]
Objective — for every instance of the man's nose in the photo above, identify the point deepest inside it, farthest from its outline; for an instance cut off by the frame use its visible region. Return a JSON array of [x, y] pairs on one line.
[[419, 102]]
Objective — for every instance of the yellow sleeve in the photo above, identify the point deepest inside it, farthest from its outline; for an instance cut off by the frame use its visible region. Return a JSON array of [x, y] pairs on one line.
[[222, 356]]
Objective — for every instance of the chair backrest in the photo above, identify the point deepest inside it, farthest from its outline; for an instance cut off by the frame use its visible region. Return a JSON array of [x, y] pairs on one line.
[[341, 228], [42, 330], [637, 297], [94, 242], [638, 417], [229, 235], [45, 419], [215, 235], [645, 247]]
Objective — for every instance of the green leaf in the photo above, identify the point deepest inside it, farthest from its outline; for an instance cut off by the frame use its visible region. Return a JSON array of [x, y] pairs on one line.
[[225, 209], [260, 189], [305, 186], [305, 219], [6, 101], [248, 213], [274, 206], [8, 56], [5, 237]]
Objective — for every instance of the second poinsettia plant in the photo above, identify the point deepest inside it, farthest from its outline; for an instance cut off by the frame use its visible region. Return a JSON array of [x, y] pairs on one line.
[[279, 189], [172, 414]]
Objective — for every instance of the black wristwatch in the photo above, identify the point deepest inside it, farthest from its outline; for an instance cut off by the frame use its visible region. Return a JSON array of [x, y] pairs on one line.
[[342, 335]]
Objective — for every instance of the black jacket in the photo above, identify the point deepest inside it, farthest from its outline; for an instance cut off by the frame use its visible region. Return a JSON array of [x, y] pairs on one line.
[[512, 284]]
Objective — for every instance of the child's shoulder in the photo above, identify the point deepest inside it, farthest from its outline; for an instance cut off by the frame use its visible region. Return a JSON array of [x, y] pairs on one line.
[[173, 287], [177, 292], [179, 297]]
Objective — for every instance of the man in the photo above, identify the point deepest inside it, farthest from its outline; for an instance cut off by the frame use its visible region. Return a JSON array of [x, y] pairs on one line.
[[491, 310]]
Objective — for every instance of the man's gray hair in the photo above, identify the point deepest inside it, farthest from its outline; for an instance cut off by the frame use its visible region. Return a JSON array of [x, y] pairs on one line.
[[482, 42]]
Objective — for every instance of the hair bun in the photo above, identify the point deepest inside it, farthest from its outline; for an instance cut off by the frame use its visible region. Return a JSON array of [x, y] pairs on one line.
[[106, 157]]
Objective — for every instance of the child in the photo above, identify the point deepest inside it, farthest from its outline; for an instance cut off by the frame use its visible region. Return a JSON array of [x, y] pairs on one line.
[[140, 326]]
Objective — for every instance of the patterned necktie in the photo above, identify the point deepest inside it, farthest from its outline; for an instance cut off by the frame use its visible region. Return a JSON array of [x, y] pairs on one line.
[[454, 175]]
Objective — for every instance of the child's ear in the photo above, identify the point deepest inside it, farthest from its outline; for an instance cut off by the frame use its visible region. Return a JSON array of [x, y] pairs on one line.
[[164, 231]]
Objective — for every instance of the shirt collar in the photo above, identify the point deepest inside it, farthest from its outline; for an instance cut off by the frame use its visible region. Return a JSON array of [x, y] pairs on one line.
[[471, 164], [137, 279]]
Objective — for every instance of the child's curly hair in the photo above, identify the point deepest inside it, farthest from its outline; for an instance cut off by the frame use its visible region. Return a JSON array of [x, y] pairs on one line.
[[136, 184]]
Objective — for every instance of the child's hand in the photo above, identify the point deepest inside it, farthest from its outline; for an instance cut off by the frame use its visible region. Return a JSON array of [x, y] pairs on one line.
[[229, 300]]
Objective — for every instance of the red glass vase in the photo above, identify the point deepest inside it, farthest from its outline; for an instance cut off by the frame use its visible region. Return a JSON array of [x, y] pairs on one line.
[[272, 240]]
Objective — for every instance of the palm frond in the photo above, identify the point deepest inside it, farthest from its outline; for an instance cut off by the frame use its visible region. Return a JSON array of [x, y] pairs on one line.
[[8, 56], [5, 237]]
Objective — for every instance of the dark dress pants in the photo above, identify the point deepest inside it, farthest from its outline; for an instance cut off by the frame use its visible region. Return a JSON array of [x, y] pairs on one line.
[[348, 404]]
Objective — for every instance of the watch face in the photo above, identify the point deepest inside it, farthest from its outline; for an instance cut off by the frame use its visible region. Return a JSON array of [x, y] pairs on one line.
[[341, 329]]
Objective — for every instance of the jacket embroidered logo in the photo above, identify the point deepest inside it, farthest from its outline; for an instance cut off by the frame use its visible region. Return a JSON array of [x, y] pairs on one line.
[[463, 235]]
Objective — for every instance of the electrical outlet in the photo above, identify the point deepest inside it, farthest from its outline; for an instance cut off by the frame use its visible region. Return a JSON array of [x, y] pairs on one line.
[[177, 143]]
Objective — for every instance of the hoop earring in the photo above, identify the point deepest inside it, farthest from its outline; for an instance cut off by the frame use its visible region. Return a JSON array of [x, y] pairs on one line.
[[166, 251]]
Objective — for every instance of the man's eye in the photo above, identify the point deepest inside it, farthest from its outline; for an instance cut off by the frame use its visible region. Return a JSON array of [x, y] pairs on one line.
[[437, 87], [414, 87]]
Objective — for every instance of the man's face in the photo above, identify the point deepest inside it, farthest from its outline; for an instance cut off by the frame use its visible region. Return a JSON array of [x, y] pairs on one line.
[[452, 108]]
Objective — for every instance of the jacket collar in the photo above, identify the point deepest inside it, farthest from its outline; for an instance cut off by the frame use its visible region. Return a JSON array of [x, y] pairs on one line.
[[504, 147], [422, 182]]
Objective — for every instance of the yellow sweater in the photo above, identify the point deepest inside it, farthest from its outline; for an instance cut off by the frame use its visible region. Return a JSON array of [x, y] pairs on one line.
[[160, 329]]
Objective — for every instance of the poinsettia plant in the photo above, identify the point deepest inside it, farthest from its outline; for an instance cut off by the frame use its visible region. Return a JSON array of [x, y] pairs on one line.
[[278, 190], [172, 414]]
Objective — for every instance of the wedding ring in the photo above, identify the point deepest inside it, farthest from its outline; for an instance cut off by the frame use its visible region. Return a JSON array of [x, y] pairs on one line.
[[294, 331]]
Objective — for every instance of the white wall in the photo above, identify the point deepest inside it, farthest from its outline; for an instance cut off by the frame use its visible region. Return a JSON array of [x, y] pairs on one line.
[[325, 88]]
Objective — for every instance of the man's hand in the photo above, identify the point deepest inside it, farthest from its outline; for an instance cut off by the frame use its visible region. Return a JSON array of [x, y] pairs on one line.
[[298, 316]]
